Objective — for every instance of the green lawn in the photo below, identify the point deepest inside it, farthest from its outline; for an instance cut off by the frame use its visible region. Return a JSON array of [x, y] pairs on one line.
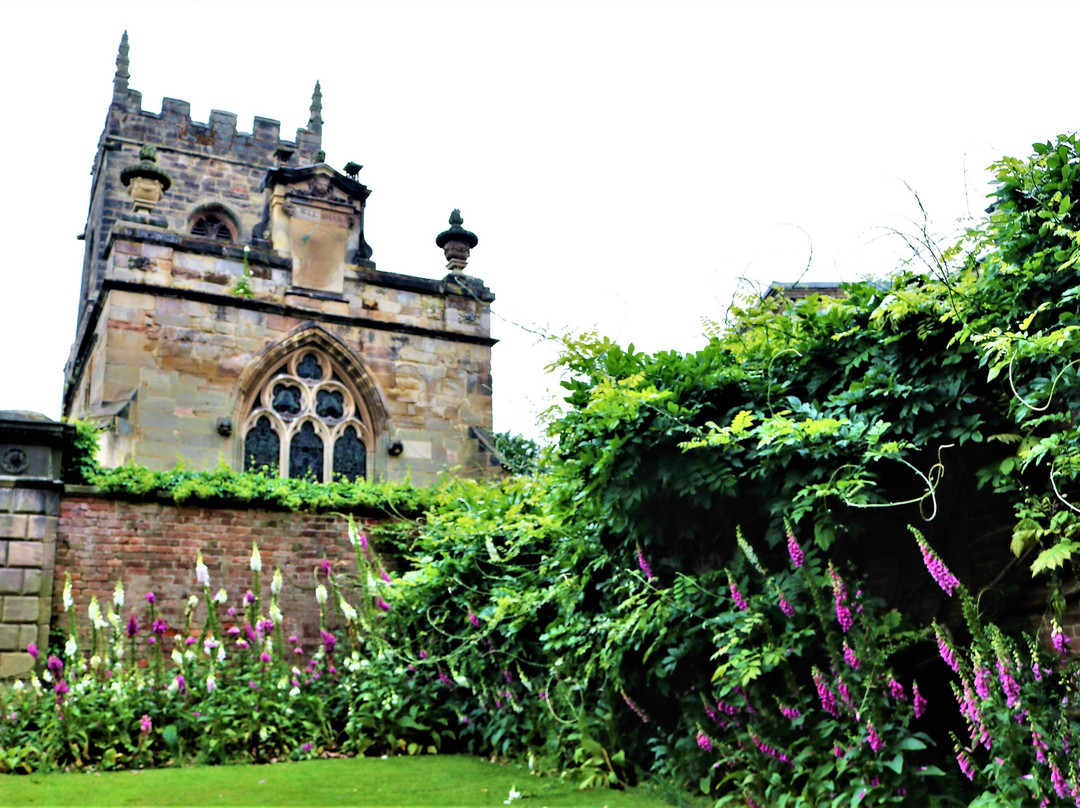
[[424, 782]]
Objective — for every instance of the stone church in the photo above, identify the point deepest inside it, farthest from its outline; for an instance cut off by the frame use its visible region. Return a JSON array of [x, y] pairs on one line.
[[230, 308]]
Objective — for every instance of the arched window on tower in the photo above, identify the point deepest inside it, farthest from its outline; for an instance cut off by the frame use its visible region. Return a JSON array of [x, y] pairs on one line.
[[213, 223], [307, 421]]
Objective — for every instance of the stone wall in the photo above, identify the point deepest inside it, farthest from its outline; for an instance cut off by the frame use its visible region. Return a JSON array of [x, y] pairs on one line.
[[153, 547], [28, 519]]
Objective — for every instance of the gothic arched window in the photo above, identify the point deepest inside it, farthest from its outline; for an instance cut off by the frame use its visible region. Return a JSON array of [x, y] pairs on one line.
[[305, 421], [213, 222]]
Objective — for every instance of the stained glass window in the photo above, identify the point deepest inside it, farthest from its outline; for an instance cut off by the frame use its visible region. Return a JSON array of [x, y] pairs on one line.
[[306, 453], [350, 456], [305, 421], [262, 446]]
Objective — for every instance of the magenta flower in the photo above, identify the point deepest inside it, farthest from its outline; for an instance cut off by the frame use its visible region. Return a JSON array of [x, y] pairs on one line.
[[132, 625], [382, 604], [1009, 685], [294, 639], [849, 656], [843, 612], [736, 595], [936, 567], [1061, 786], [329, 641], [32, 650], [264, 657], [966, 766], [982, 679], [61, 688], [791, 713], [643, 564], [385, 576], [243, 645], [873, 738], [55, 665], [946, 650], [1060, 640], [325, 566], [151, 598], [181, 683], [794, 550], [363, 541], [919, 702], [474, 620], [249, 598], [827, 697], [896, 690], [190, 641], [786, 607], [633, 706], [159, 627], [703, 741]]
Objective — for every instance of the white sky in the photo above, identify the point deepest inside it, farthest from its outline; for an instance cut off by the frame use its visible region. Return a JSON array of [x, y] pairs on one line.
[[622, 163]]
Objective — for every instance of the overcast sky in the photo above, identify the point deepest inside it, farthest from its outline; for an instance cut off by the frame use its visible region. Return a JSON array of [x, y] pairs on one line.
[[624, 164]]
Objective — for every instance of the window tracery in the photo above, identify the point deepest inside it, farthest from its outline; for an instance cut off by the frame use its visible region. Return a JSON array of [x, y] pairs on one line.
[[213, 224], [305, 421]]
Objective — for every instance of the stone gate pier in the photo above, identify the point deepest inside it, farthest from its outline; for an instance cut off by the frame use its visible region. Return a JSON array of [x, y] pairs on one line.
[[31, 449]]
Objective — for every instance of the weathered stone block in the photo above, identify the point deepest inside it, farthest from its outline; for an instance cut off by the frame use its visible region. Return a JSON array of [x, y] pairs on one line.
[[20, 609], [26, 554], [14, 664], [11, 582], [9, 637], [29, 633], [31, 584], [41, 527], [5, 499], [12, 526]]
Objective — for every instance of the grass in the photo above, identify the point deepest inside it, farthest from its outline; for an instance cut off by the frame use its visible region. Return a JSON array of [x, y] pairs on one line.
[[441, 781]]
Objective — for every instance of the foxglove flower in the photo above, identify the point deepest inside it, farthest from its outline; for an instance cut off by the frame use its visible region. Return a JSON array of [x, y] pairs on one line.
[[919, 703], [55, 665], [32, 650], [966, 766], [644, 564], [202, 574], [633, 706], [1009, 686], [382, 604], [843, 611], [794, 550], [348, 610], [786, 607], [276, 582], [736, 595], [68, 600], [982, 677], [935, 566], [849, 656], [704, 742], [118, 595], [474, 620], [1059, 639], [946, 650], [329, 641], [827, 697], [385, 576], [151, 597], [873, 738], [256, 559], [159, 627], [249, 598], [896, 690]]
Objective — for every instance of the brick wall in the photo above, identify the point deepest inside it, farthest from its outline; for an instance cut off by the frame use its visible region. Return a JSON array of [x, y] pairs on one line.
[[152, 546]]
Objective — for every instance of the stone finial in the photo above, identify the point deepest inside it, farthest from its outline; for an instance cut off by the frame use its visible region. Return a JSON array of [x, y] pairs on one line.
[[456, 242], [145, 181], [120, 80], [315, 122]]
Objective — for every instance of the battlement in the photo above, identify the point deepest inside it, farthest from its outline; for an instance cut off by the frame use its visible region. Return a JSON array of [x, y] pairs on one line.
[[173, 128]]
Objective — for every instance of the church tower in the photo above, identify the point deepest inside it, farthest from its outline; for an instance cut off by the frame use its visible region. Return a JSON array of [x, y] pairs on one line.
[[230, 308]]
